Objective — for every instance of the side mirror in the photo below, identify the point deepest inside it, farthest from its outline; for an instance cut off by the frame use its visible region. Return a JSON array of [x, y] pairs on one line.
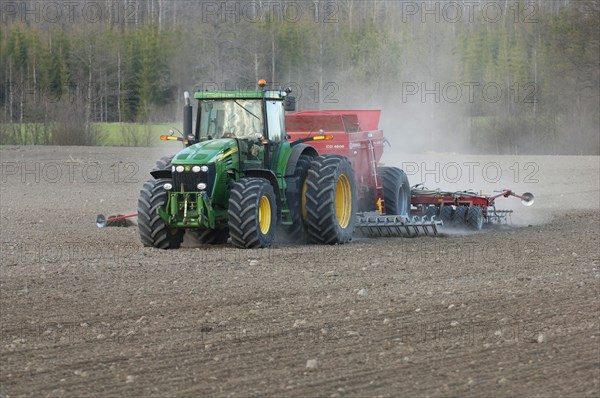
[[187, 116], [289, 104]]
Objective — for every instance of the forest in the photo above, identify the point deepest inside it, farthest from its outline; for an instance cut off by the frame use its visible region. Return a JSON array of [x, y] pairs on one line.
[[503, 77]]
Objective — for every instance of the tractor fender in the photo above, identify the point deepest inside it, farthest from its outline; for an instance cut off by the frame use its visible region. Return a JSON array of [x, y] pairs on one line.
[[299, 150], [272, 178], [161, 174]]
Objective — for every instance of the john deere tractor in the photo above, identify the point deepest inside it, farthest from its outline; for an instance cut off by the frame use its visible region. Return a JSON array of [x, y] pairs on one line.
[[239, 176]]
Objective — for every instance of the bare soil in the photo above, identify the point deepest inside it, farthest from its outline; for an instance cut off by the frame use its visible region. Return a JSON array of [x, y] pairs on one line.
[[511, 311]]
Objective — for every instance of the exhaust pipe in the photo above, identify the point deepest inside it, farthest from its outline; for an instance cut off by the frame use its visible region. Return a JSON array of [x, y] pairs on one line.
[[187, 116]]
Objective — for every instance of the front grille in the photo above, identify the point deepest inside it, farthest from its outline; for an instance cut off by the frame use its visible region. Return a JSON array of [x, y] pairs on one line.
[[188, 180]]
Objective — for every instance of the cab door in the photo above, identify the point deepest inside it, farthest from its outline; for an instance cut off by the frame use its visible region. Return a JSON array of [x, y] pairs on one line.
[[275, 131]]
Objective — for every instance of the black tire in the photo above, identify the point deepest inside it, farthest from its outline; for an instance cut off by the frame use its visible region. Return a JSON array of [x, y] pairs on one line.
[[330, 177], [475, 218], [460, 217], [396, 191], [163, 163], [296, 232], [447, 214], [432, 211], [153, 230], [216, 236], [245, 226]]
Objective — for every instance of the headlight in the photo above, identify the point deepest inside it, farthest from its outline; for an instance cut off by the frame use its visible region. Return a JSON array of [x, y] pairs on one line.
[[179, 169], [196, 169], [172, 169], [168, 186], [201, 186], [204, 168]]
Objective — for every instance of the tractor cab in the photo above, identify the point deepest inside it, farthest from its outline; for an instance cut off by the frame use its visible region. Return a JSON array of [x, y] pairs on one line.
[[254, 119]]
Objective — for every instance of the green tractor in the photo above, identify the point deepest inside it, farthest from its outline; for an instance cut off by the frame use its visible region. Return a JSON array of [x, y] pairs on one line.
[[240, 177]]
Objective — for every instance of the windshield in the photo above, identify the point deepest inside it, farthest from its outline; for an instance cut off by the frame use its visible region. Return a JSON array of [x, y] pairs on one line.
[[231, 118]]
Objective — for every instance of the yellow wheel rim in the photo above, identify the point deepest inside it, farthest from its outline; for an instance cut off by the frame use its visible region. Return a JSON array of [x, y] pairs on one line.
[[343, 201], [303, 202], [264, 215]]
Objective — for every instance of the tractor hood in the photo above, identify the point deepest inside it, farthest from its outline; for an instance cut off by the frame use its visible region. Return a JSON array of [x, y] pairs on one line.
[[206, 152]]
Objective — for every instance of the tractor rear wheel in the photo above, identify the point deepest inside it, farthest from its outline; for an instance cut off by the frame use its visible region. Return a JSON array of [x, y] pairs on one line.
[[252, 213], [330, 200], [153, 230], [460, 216], [447, 214], [475, 218], [396, 191], [216, 236], [296, 232]]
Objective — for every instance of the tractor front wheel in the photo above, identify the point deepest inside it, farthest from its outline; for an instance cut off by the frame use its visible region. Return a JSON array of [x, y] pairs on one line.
[[330, 200], [153, 230], [252, 213]]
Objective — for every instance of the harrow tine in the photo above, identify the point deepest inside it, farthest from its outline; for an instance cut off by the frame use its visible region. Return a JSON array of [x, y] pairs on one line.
[[415, 222], [499, 216], [377, 225], [423, 221]]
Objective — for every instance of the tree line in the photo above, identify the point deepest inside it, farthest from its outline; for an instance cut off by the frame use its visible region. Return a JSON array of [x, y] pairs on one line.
[[489, 76]]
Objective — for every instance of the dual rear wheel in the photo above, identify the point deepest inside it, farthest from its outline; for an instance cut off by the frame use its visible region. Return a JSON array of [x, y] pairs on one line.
[[323, 205]]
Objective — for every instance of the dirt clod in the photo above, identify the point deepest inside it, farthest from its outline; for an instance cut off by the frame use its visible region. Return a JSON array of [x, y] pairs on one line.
[[312, 364]]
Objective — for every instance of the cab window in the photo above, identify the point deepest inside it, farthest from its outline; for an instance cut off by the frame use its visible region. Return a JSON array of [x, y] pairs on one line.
[[275, 120], [231, 118]]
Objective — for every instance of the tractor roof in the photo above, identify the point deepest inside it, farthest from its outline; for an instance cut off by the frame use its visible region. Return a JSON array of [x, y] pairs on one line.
[[240, 94]]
